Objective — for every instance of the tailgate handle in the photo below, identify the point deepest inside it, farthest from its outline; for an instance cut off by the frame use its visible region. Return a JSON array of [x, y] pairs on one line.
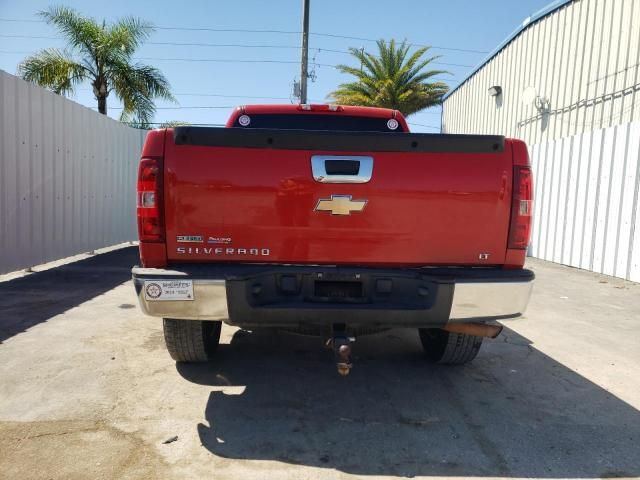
[[341, 169]]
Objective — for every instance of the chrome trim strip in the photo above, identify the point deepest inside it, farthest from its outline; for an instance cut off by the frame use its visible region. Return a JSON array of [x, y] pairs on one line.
[[492, 299], [320, 172]]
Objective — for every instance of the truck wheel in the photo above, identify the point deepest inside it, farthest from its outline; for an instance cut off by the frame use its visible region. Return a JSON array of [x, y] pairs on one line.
[[449, 348], [191, 340]]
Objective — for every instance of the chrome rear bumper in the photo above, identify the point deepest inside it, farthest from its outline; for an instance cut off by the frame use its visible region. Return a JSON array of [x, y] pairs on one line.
[[209, 296], [465, 299], [473, 300]]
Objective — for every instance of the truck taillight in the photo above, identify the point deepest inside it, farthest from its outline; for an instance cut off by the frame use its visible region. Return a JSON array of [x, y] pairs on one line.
[[521, 210], [149, 201]]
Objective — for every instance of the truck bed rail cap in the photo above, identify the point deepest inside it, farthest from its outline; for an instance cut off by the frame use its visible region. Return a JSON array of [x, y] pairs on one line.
[[337, 140]]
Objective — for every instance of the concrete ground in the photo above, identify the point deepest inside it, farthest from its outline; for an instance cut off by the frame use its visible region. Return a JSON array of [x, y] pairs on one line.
[[87, 390]]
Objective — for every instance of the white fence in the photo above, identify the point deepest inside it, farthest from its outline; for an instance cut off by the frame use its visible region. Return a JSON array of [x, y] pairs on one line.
[[67, 177], [587, 212]]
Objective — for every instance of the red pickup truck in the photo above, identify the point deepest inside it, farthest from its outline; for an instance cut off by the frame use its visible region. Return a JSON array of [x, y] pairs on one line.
[[333, 221]]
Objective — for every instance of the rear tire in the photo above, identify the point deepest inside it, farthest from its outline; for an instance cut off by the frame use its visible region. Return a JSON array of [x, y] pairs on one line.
[[191, 340], [449, 348]]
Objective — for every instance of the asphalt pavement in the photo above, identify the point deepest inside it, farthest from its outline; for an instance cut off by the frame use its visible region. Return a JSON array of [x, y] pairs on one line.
[[87, 390]]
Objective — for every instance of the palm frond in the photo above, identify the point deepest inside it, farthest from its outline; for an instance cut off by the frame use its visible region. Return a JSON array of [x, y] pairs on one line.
[[80, 32], [127, 34], [137, 86], [394, 78], [53, 69]]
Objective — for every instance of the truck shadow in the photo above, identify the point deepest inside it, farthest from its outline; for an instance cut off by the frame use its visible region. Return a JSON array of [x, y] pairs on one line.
[[513, 412], [37, 297]]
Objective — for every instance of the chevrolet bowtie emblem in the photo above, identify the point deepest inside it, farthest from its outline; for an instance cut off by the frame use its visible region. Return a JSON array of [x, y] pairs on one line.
[[340, 205]]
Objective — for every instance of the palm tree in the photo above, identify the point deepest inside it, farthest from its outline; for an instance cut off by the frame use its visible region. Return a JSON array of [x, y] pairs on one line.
[[392, 79], [101, 54]]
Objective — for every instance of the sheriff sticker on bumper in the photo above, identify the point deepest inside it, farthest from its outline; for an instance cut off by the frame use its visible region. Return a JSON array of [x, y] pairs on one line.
[[159, 290]]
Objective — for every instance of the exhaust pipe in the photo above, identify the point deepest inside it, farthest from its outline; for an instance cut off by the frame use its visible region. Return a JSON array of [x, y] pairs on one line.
[[475, 329]]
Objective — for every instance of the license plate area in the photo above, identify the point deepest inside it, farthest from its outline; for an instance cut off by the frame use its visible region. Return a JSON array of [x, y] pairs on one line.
[[305, 288], [333, 290]]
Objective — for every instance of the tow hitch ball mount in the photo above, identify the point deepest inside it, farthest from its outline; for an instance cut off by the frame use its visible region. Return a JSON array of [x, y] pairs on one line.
[[340, 342]]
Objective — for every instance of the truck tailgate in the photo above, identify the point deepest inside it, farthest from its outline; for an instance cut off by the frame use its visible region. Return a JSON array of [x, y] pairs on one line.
[[233, 195]]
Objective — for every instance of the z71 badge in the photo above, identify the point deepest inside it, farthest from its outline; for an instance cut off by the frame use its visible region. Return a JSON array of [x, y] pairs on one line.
[[189, 239]]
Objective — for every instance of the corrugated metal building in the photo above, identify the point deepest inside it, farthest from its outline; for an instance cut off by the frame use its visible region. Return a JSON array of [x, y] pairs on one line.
[[572, 67], [567, 81]]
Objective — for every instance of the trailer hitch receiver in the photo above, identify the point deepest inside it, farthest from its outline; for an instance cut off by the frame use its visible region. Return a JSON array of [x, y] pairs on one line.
[[340, 342]]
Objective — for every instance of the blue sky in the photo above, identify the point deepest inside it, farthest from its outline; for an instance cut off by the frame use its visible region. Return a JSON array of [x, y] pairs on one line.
[[458, 30]]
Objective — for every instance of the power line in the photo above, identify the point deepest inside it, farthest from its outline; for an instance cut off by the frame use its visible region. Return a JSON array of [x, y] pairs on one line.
[[362, 39], [425, 126], [284, 32], [185, 125], [317, 34], [20, 20], [227, 96], [221, 60], [234, 45], [222, 124], [184, 44], [228, 30], [197, 107], [259, 97], [31, 36], [208, 107], [238, 45]]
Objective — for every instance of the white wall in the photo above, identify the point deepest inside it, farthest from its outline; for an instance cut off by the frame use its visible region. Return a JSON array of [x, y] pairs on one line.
[[583, 57], [587, 207], [67, 177]]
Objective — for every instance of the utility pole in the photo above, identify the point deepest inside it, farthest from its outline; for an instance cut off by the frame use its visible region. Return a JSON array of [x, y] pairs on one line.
[[304, 71]]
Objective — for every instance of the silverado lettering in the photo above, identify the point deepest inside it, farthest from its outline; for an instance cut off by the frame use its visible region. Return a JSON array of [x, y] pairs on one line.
[[375, 227], [223, 251]]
